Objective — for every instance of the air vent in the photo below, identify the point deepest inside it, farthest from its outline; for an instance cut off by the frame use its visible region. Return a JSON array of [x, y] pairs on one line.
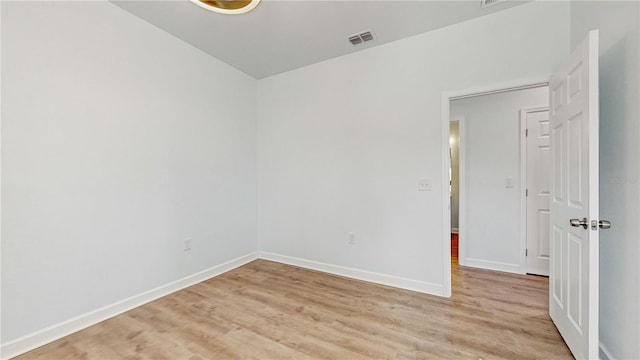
[[366, 36], [360, 38], [355, 40], [487, 3]]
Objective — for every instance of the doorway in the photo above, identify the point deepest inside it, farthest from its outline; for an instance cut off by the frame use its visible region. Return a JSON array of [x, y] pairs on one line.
[[455, 160], [491, 194]]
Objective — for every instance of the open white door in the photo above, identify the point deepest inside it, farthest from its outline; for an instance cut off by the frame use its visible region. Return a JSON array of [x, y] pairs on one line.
[[573, 282], [538, 170]]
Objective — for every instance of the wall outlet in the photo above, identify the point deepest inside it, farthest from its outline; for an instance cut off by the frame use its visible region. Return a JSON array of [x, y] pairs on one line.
[[186, 244], [351, 239], [425, 185]]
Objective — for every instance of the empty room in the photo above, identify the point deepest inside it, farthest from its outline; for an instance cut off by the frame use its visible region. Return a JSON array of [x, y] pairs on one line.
[[196, 179]]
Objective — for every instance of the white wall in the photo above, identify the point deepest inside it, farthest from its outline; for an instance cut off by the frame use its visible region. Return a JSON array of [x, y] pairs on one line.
[[343, 143], [118, 141], [492, 230], [619, 169]]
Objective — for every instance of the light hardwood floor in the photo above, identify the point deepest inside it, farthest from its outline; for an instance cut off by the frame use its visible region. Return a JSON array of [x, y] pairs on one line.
[[266, 310]]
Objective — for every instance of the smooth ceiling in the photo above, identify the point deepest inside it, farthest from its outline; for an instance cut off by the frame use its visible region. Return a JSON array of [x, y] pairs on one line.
[[280, 36]]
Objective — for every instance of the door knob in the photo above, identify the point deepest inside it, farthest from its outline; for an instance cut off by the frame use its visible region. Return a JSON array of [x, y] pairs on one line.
[[577, 223], [604, 224]]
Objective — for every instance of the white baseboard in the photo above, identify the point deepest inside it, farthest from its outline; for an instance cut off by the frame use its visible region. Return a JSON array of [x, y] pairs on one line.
[[55, 332], [491, 265], [402, 283], [605, 354]]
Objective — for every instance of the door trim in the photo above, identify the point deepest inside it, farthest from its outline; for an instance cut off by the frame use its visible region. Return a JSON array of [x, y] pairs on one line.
[[523, 182], [446, 98]]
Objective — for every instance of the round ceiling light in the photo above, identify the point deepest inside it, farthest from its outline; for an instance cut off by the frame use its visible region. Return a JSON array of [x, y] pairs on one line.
[[228, 6]]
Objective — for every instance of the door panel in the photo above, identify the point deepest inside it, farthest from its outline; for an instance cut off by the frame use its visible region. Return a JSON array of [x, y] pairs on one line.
[[557, 156], [573, 283], [574, 303], [556, 269], [574, 152]]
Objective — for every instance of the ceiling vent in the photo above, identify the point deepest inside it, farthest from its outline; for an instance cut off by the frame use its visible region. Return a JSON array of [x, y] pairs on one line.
[[487, 3], [360, 38]]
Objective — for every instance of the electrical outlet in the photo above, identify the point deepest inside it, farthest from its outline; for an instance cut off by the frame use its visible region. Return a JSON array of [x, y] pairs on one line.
[[186, 244], [425, 185], [351, 239]]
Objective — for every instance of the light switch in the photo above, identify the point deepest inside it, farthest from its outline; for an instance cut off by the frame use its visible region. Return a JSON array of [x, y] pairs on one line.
[[424, 185], [508, 182]]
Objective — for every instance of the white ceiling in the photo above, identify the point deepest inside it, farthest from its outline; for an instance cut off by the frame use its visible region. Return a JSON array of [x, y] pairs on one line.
[[279, 36]]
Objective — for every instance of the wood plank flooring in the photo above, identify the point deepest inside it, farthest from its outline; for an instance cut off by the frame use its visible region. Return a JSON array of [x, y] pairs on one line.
[[267, 310]]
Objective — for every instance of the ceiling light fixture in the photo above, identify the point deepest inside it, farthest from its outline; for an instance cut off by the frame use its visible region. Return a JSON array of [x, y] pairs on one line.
[[231, 7]]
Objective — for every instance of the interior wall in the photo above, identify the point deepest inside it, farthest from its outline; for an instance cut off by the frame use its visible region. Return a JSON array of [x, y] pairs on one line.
[[342, 144], [492, 230], [454, 141], [619, 169], [118, 142]]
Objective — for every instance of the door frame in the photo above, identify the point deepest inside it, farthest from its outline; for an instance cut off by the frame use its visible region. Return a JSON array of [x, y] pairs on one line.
[[523, 182], [446, 98]]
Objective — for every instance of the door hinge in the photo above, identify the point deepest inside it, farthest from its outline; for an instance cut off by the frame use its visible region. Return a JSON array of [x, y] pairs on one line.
[[526, 252], [526, 192], [526, 132]]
